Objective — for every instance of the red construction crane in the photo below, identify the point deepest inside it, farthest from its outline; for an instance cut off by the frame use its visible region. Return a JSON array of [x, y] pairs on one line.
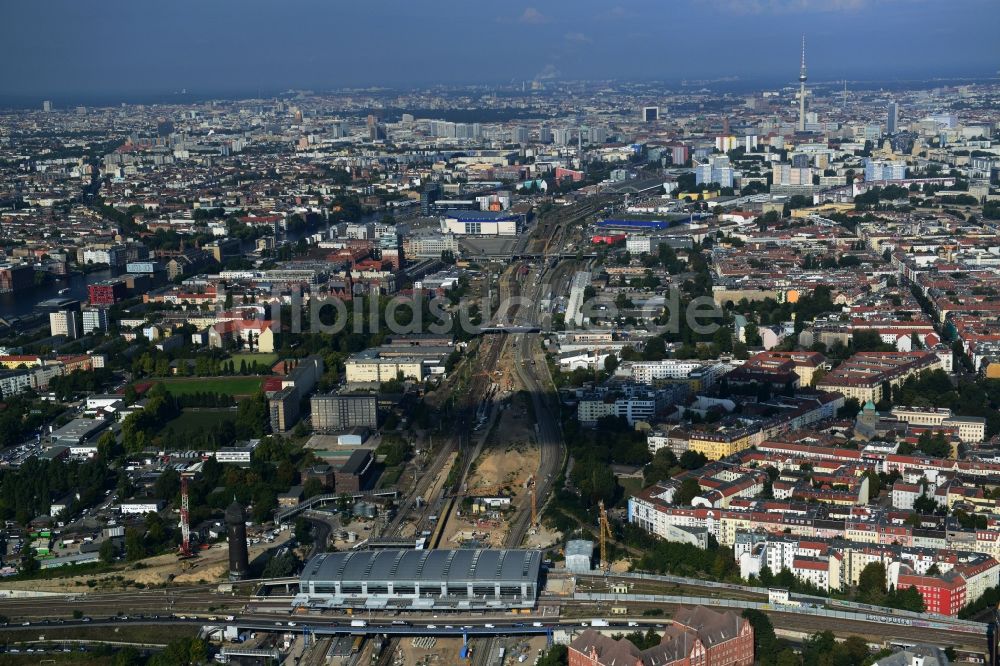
[[185, 519]]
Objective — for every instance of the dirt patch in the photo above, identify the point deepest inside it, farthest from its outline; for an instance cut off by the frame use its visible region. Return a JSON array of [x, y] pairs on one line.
[[427, 651], [543, 537], [210, 566], [504, 470]]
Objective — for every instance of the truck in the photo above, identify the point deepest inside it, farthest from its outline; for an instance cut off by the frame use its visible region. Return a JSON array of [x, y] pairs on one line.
[[359, 623], [599, 623]]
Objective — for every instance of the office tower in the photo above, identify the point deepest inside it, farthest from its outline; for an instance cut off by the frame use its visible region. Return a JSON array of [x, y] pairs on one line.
[[802, 88], [236, 529], [431, 193], [95, 320], [65, 322], [892, 118], [650, 114], [47, 106], [64, 316]]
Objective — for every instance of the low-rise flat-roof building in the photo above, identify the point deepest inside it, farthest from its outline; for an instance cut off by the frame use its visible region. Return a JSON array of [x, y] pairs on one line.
[[77, 431], [579, 556], [422, 579]]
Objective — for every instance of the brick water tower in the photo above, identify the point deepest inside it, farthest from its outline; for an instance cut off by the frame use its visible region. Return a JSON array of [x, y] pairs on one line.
[[236, 528]]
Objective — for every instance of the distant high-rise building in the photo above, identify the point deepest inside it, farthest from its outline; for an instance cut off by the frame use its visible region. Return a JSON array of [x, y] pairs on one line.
[[47, 106], [716, 170], [598, 134], [430, 194], [650, 114], [562, 136], [545, 135], [802, 88], [521, 135], [892, 118], [880, 170]]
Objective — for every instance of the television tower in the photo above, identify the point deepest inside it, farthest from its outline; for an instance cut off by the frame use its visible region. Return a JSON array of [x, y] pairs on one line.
[[802, 88]]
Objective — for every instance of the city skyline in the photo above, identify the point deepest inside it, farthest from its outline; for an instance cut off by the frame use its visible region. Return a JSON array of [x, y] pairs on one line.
[[129, 50]]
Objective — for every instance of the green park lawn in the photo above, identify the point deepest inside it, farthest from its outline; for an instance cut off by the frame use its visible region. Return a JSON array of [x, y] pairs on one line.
[[251, 357]]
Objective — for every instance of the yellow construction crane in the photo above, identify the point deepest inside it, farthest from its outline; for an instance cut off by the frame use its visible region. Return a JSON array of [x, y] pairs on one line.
[[605, 533]]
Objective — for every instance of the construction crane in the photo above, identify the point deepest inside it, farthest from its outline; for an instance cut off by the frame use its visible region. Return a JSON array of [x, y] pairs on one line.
[[605, 534], [185, 550]]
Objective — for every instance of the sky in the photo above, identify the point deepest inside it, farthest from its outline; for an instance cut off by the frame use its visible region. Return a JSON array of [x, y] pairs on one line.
[[62, 48]]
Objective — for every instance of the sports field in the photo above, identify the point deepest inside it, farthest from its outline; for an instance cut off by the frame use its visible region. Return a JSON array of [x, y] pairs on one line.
[[226, 385]]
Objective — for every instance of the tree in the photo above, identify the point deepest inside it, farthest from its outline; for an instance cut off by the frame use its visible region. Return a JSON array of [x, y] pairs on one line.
[[134, 548], [557, 655], [871, 584], [688, 491], [167, 485], [610, 364], [660, 468], [654, 350], [107, 446], [764, 638], [312, 487], [127, 656], [107, 551], [691, 460], [282, 565], [595, 481], [29, 562], [787, 657], [303, 531], [252, 417]]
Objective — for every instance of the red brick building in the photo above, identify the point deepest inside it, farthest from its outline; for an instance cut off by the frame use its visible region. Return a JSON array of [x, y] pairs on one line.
[[698, 637], [945, 595], [106, 293]]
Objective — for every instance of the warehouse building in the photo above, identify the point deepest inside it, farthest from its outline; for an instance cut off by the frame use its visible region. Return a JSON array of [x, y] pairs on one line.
[[422, 579]]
